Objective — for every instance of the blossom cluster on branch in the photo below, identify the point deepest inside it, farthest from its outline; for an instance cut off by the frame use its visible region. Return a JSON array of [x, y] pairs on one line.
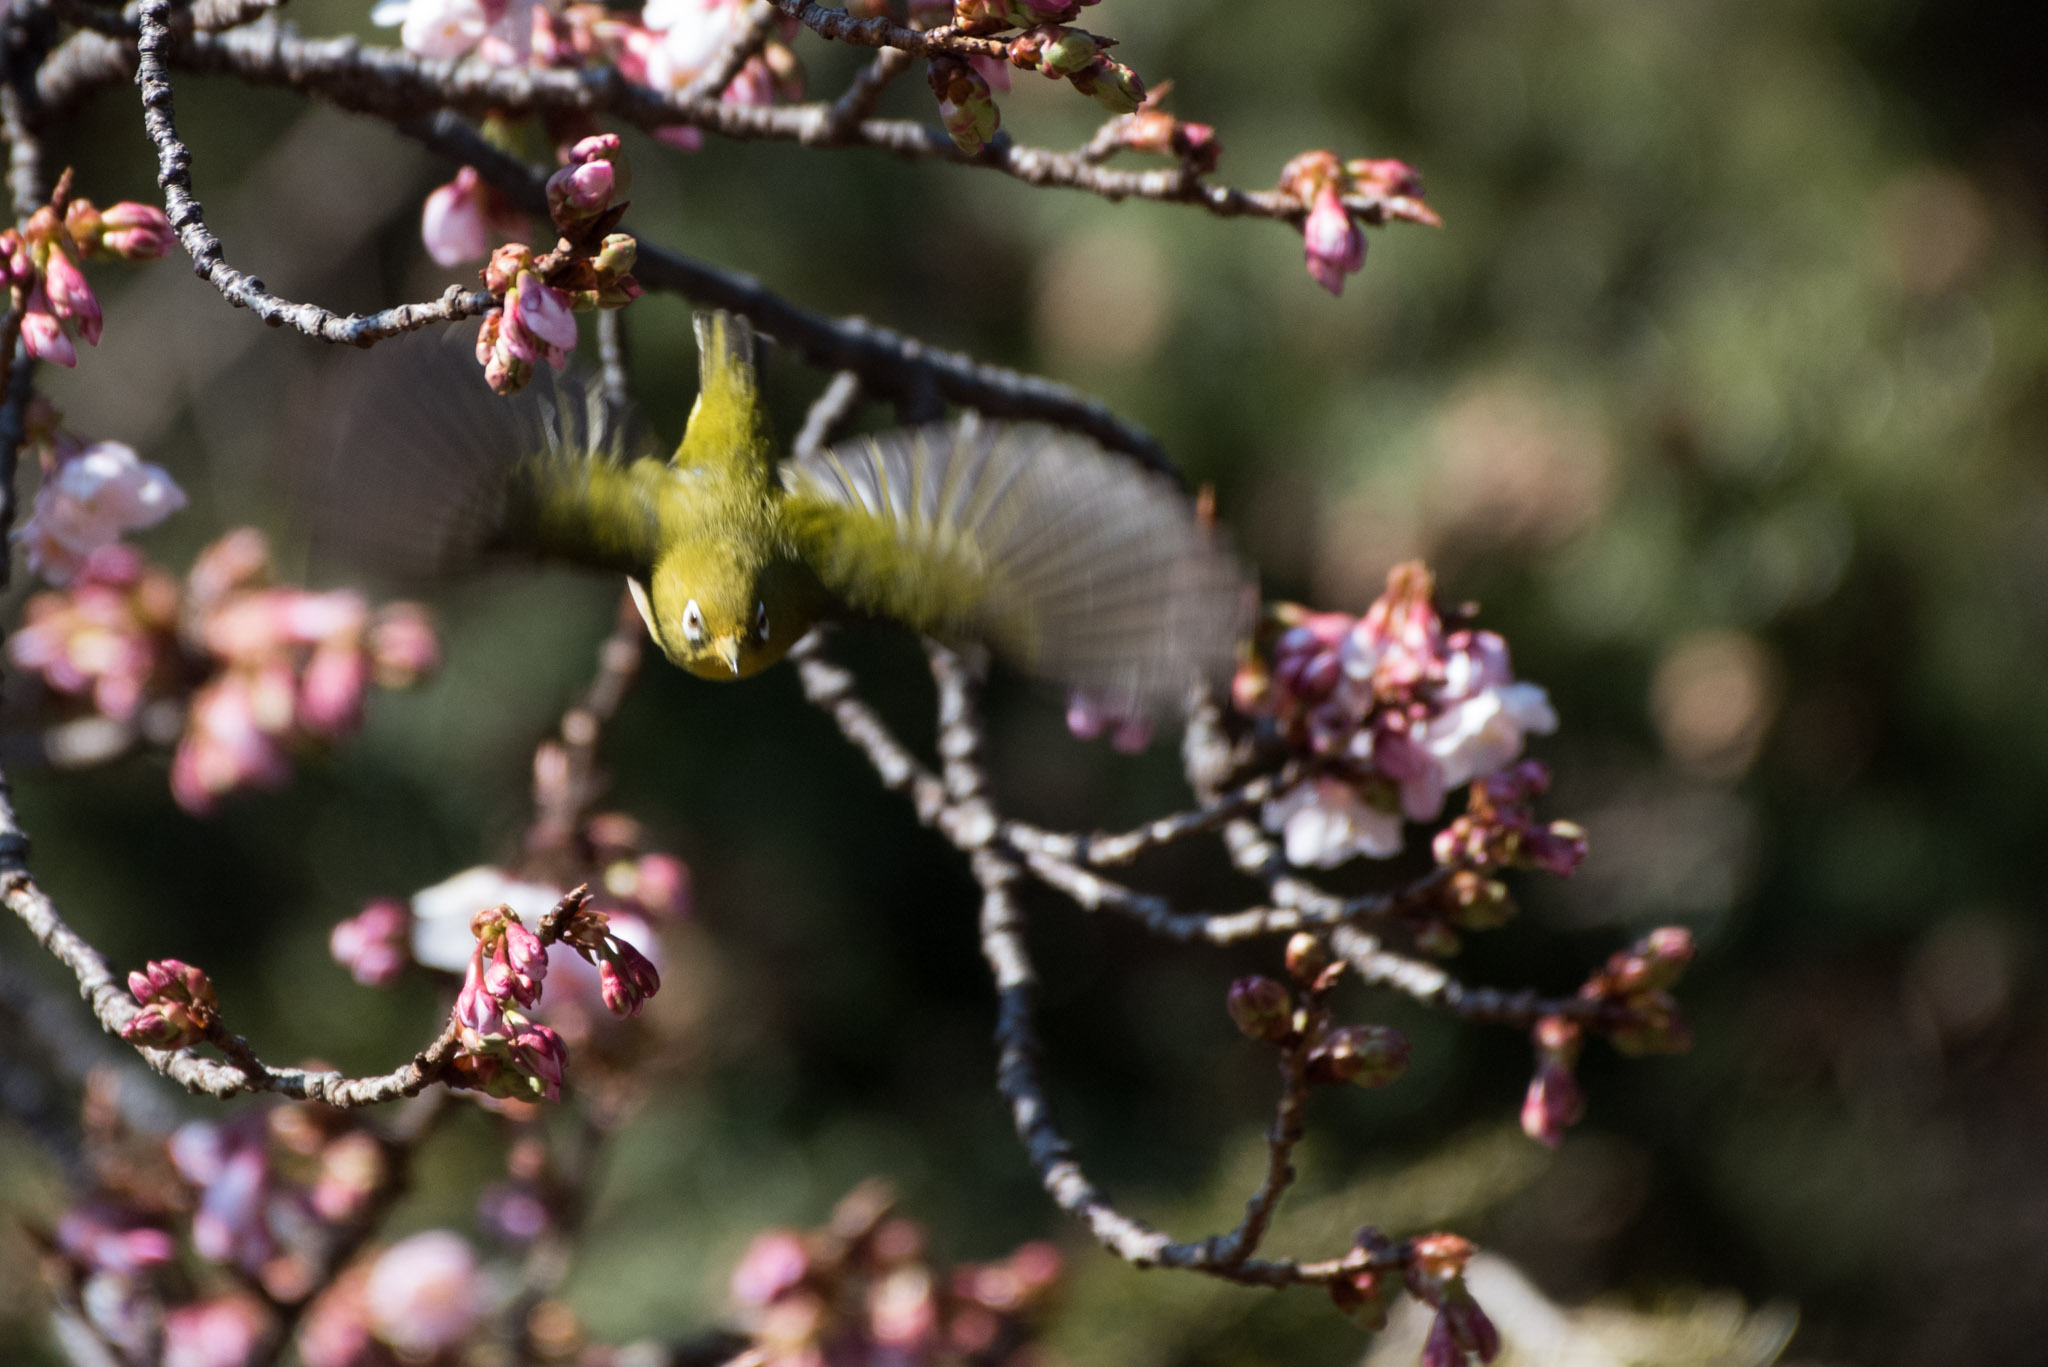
[[238, 671]]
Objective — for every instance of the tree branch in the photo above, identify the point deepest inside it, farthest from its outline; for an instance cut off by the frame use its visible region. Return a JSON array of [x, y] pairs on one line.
[[174, 175]]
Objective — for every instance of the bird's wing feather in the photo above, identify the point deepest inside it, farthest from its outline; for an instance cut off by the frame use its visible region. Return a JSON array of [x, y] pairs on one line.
[[427, 470], [1072, 563]]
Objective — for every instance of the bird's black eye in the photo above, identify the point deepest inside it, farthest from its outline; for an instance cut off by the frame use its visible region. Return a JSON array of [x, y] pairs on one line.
[[761, 621], [693, 623]]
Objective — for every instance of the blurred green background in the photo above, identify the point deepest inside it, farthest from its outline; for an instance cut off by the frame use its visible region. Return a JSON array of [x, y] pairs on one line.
[[1721, 390]]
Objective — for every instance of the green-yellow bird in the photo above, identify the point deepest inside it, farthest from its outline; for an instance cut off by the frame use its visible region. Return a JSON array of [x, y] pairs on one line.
[[1071, 563]]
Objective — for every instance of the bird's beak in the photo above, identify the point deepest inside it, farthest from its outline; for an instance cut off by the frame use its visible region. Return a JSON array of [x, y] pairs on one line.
[[729, 651]]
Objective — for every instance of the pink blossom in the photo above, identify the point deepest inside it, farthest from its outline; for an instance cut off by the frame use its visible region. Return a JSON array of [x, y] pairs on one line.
[[108, 1240], [545, 313], [225, 747], [1334, 245], [1325, 821], [435, 29], [230, 1166], [331, 690], [1553, 1103], [371, 945], [88, 501], [223, 1332], [424, 1295], [70, 296], [775, 1262]]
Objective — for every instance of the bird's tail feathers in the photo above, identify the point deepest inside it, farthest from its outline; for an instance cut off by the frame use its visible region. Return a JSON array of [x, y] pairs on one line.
[[726, 422]]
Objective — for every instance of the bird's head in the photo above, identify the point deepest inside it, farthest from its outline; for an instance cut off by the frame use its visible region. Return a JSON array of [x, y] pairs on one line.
[[711, 618]]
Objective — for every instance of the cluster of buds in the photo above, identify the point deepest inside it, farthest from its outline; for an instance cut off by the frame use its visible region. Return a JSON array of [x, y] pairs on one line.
[[1500, 831], [1555, 1101], [590, 268], [605, 962], [178, 1005], [1636, 986], [1396, 708], [91, 495], [864, 1292], [291, 668], [1263, 1009], [39, 266], [626, 977], [1080, 58], [505, 1052], [499, 31], [111, 638], [1335, 195]]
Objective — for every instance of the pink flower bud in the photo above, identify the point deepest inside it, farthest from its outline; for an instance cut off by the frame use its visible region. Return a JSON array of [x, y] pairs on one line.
[[71, 296], [1260, 1008], [1554, 1102], [580, 192], [626, 979], [1335, 245], [453, 224], [42, 335], [135, 232], [538, 1054]]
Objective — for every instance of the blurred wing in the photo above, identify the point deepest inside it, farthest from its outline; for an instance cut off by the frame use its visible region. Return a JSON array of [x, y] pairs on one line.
[[427, 470], [1074, 564]]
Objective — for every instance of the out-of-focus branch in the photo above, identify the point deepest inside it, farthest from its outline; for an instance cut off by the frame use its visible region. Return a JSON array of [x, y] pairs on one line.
[[565, 776], [751, 35], [174, 175]]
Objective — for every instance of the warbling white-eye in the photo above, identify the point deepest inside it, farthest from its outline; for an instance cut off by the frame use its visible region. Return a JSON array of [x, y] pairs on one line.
[[1071, 563]]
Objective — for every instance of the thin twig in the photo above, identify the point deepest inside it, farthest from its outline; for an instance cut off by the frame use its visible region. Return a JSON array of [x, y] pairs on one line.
[[833, 406], [394, 84], [174, 175], [858, 100]]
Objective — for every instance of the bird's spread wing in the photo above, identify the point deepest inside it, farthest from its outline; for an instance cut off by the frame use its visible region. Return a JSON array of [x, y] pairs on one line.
[[1074, 564], [426, 470]]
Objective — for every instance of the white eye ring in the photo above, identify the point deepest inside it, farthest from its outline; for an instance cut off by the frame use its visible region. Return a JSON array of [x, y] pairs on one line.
[[761, 621], [693, 623]]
